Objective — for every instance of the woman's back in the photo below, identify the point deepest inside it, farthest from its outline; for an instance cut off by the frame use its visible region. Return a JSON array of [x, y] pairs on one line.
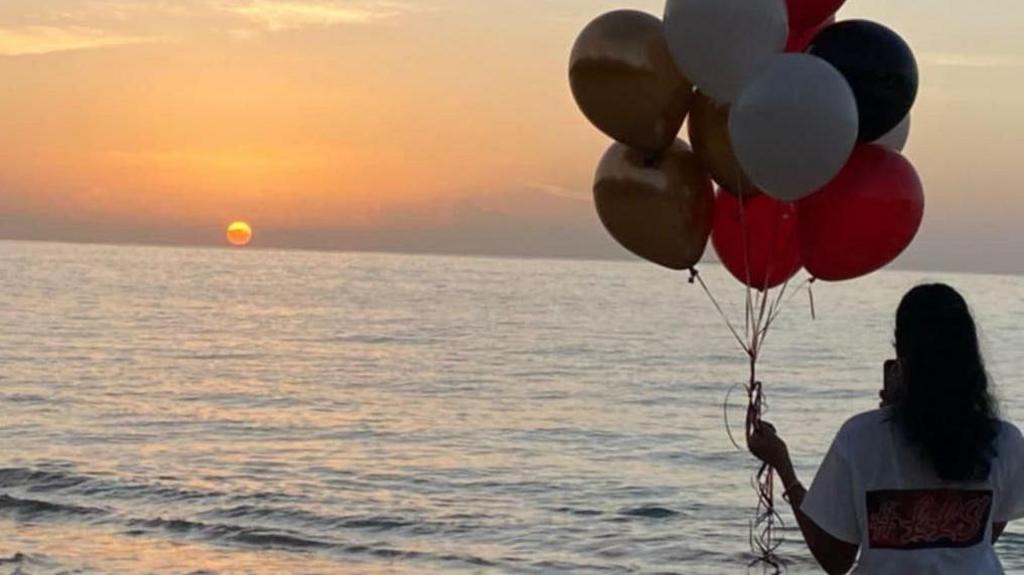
[[878, 489], [915, 487]]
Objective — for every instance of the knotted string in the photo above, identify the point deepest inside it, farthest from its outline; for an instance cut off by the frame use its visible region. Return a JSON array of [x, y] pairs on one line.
[[766, 520], [761, 312]]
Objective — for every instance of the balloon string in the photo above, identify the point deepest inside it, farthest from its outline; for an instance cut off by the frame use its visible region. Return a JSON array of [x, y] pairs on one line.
[[766, 518], [772, 262], [776, 306], [696, 278], [749, 312], [781, 301], [759, 319], [810, 296], [774, 310], [760, 312], [760, 325], [725, 417]]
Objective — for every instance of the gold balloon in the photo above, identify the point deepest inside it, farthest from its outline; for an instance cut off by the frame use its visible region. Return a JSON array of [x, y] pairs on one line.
[[625, 81], [709, 134], [662, 209]]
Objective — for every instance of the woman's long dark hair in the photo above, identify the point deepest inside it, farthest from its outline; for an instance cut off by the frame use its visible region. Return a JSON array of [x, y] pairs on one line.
[[947, 408]]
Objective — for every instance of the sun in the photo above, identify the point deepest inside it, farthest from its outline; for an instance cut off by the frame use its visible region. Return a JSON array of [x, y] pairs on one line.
[[239, 234]]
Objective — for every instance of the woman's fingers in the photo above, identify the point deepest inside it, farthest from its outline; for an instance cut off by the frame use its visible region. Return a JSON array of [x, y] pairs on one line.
[[762, 435]]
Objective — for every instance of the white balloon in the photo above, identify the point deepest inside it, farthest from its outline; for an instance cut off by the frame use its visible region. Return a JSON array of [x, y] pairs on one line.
[[898, 137], [794, 127], [720, 44]]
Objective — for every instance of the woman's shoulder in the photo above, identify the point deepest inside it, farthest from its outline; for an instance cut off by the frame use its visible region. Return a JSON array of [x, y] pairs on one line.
[[1009, 456], [1009, 427], [1010, 436], [863, 429], [869, 421]]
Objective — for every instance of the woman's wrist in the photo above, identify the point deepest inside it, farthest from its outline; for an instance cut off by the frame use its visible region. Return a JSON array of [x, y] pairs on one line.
[[787, 473]]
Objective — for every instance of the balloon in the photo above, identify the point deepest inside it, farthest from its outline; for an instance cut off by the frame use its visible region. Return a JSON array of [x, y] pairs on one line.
[[720, 44], [794, 127], [805, 14], [660, 210], [862, 220], [898, 137], [709, 134], [626, 83], [800, 38], [880, 68], [756, 239]]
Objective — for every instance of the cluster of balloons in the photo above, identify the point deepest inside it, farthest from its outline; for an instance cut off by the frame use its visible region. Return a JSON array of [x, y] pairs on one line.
[[798, 119]]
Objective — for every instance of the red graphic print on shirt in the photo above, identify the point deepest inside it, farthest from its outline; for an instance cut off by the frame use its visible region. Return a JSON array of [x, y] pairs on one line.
[[927, 519]]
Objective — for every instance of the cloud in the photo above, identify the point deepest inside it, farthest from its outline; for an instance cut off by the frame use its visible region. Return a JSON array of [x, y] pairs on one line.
[[118, 11], [969, 60], [559, 191], [278, 15], [93, 24], [29, 40], [73, 25]]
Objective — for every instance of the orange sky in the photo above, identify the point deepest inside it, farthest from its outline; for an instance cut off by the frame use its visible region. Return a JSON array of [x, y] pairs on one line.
[[409, 124]]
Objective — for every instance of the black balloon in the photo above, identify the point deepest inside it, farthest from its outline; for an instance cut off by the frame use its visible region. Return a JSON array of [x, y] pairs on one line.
[[880, 68]]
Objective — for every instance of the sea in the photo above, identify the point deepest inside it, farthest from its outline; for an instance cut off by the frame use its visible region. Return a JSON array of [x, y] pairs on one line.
[[222, 411]]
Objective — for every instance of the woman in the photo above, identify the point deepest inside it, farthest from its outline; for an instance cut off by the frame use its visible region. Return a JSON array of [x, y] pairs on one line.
[[927, 483]]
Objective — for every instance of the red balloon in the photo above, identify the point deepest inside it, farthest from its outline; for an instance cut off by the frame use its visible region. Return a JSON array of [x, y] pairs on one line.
[[756, 239], [864, 218], [800, 38], [804, 14]]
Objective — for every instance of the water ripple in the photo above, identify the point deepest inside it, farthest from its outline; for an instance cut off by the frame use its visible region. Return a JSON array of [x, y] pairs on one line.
[[358, 413]]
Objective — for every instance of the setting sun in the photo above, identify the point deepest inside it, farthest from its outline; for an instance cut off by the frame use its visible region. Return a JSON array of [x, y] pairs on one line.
[[239, 234]]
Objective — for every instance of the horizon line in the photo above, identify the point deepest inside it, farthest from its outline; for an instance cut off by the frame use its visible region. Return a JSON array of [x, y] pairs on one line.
[[625, 259]]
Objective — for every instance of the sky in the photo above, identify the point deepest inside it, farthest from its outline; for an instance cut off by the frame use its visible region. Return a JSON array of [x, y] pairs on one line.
[[414, 125]]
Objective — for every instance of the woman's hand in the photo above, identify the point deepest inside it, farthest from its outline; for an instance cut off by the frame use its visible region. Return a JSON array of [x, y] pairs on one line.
[[892, 384], [764, 442]]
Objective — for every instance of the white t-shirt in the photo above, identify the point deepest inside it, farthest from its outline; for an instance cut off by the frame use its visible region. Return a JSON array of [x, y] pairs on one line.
[[876, 490]]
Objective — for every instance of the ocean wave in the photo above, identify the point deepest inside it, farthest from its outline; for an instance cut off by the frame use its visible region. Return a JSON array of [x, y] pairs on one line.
[[217, 356], [32, 509], [93, 486], [217, 532], [367, 339], [578, 512], [219, 505], [38, 480], [301, 516], [371, 523], [150, 492], [264, 538], [649, 512], [16, 558], [24, 398], [251, 522]]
